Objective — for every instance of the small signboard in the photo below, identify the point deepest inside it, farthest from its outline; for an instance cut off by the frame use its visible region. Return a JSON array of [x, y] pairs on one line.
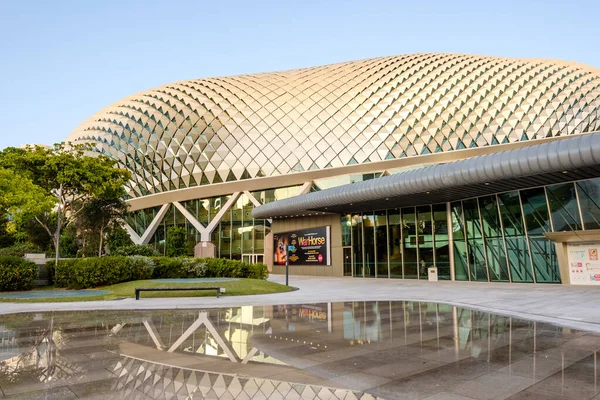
[[584, 266]]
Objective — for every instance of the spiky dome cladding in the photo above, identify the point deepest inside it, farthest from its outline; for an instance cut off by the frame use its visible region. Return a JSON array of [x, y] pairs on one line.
[[211, 130]]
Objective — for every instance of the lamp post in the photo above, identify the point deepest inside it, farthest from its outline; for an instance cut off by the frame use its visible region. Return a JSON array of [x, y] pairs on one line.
[[59, 195]]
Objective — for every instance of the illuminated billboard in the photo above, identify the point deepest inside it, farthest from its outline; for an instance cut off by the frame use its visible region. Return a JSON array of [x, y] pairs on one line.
[[311, 246]]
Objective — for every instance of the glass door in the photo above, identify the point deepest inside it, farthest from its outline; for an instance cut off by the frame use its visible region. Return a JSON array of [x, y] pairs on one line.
[[253, 258], [347, 261]]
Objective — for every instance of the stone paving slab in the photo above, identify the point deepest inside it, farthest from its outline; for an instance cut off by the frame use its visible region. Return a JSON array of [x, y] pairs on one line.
[[572, 306]]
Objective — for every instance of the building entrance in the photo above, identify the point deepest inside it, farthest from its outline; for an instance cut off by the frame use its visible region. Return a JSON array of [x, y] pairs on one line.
[[253, 258], [347, 261]]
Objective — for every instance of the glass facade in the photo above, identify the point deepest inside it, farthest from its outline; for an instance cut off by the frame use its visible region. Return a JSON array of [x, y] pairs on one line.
[[237, 232], [494, 238], [398, 243]]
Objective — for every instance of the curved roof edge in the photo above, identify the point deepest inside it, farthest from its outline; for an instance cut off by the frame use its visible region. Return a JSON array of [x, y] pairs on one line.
[[563, 155]]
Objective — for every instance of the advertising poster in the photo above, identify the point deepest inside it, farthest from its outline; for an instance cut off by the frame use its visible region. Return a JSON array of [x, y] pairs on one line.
[[584, 267], [311, 246]]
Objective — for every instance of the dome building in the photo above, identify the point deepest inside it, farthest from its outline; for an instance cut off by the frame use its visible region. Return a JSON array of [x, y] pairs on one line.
[[473, 165]]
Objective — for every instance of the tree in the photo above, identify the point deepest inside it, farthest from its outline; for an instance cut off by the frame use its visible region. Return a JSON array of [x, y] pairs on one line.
[[101, 213], [118, 238], [176, 242], [18, 193], [83, 178]]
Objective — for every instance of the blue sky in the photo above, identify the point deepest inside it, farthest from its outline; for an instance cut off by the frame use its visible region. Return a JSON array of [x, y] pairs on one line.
[[61, 61]]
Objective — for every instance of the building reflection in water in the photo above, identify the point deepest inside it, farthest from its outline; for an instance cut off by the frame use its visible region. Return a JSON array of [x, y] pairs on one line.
[[370, 348]]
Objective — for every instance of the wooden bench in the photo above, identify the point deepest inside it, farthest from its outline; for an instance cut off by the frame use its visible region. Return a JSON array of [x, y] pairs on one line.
[[138, 290]]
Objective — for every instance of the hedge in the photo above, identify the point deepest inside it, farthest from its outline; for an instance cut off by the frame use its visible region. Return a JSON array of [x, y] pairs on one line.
[[92, 272], [17, 274], [84, 273], [166, 267]]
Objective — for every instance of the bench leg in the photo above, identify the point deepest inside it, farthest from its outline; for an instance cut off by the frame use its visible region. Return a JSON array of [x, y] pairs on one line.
[[137, 294], [218, 292]]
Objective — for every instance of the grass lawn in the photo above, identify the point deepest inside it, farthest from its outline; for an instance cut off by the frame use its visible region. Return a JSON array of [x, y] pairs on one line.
[[127, 290]]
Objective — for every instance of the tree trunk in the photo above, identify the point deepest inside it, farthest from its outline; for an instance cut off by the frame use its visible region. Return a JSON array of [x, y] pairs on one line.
[[101, 239]]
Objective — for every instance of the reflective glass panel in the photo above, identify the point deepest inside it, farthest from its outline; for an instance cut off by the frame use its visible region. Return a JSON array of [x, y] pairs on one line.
[[461, 266], [563, 205], [535, 211], [409, 243], [369, 248], [544, 258], [395, 243], [346, 230], [357, 245], [425, 240], [494, 243], [440, 236], [517, 249], [381, 243], [477, 260], [589, 200]]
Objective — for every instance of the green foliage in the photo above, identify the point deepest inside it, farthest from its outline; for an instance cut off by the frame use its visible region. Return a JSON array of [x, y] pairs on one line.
[[20, 249], [19, 194], [176, 242], [118, 239], [68, 243], [135, 250], [99, 214], [28, 176], [101, 271], [166, 267], [17, 274], [92, 272]]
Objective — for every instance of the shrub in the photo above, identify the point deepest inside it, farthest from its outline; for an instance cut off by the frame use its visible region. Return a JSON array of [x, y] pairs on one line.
[[20, 249], [16, 273], [135, 250], [118, 239], [166, 267], [61, 273], [256, 271], [176, 242], [141, 267], [194, 268], [93, 271]]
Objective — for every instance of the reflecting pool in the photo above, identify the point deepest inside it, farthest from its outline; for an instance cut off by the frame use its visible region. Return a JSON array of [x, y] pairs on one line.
[[362, 350]]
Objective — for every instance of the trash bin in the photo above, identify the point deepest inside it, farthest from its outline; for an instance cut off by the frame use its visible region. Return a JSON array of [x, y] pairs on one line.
[[432, 274]]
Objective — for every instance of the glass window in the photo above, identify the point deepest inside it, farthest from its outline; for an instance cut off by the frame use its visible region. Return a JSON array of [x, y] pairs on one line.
[[544, 260], [409, 243], [461, 265], [589, 201], [494, 243], [535, 211], [542, 250], [346, 231], [425, 240], [477, 260], [395, 243], [563, 205], [357, 245], [440, 236], [517, 249], [369, 248], [381, 243], [259, 236]]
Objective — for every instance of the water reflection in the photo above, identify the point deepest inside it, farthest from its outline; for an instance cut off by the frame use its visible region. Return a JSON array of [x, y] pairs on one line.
[[386, 349]]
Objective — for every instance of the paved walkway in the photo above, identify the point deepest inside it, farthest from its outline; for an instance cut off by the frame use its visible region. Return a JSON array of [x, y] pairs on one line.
[[573, 306]]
